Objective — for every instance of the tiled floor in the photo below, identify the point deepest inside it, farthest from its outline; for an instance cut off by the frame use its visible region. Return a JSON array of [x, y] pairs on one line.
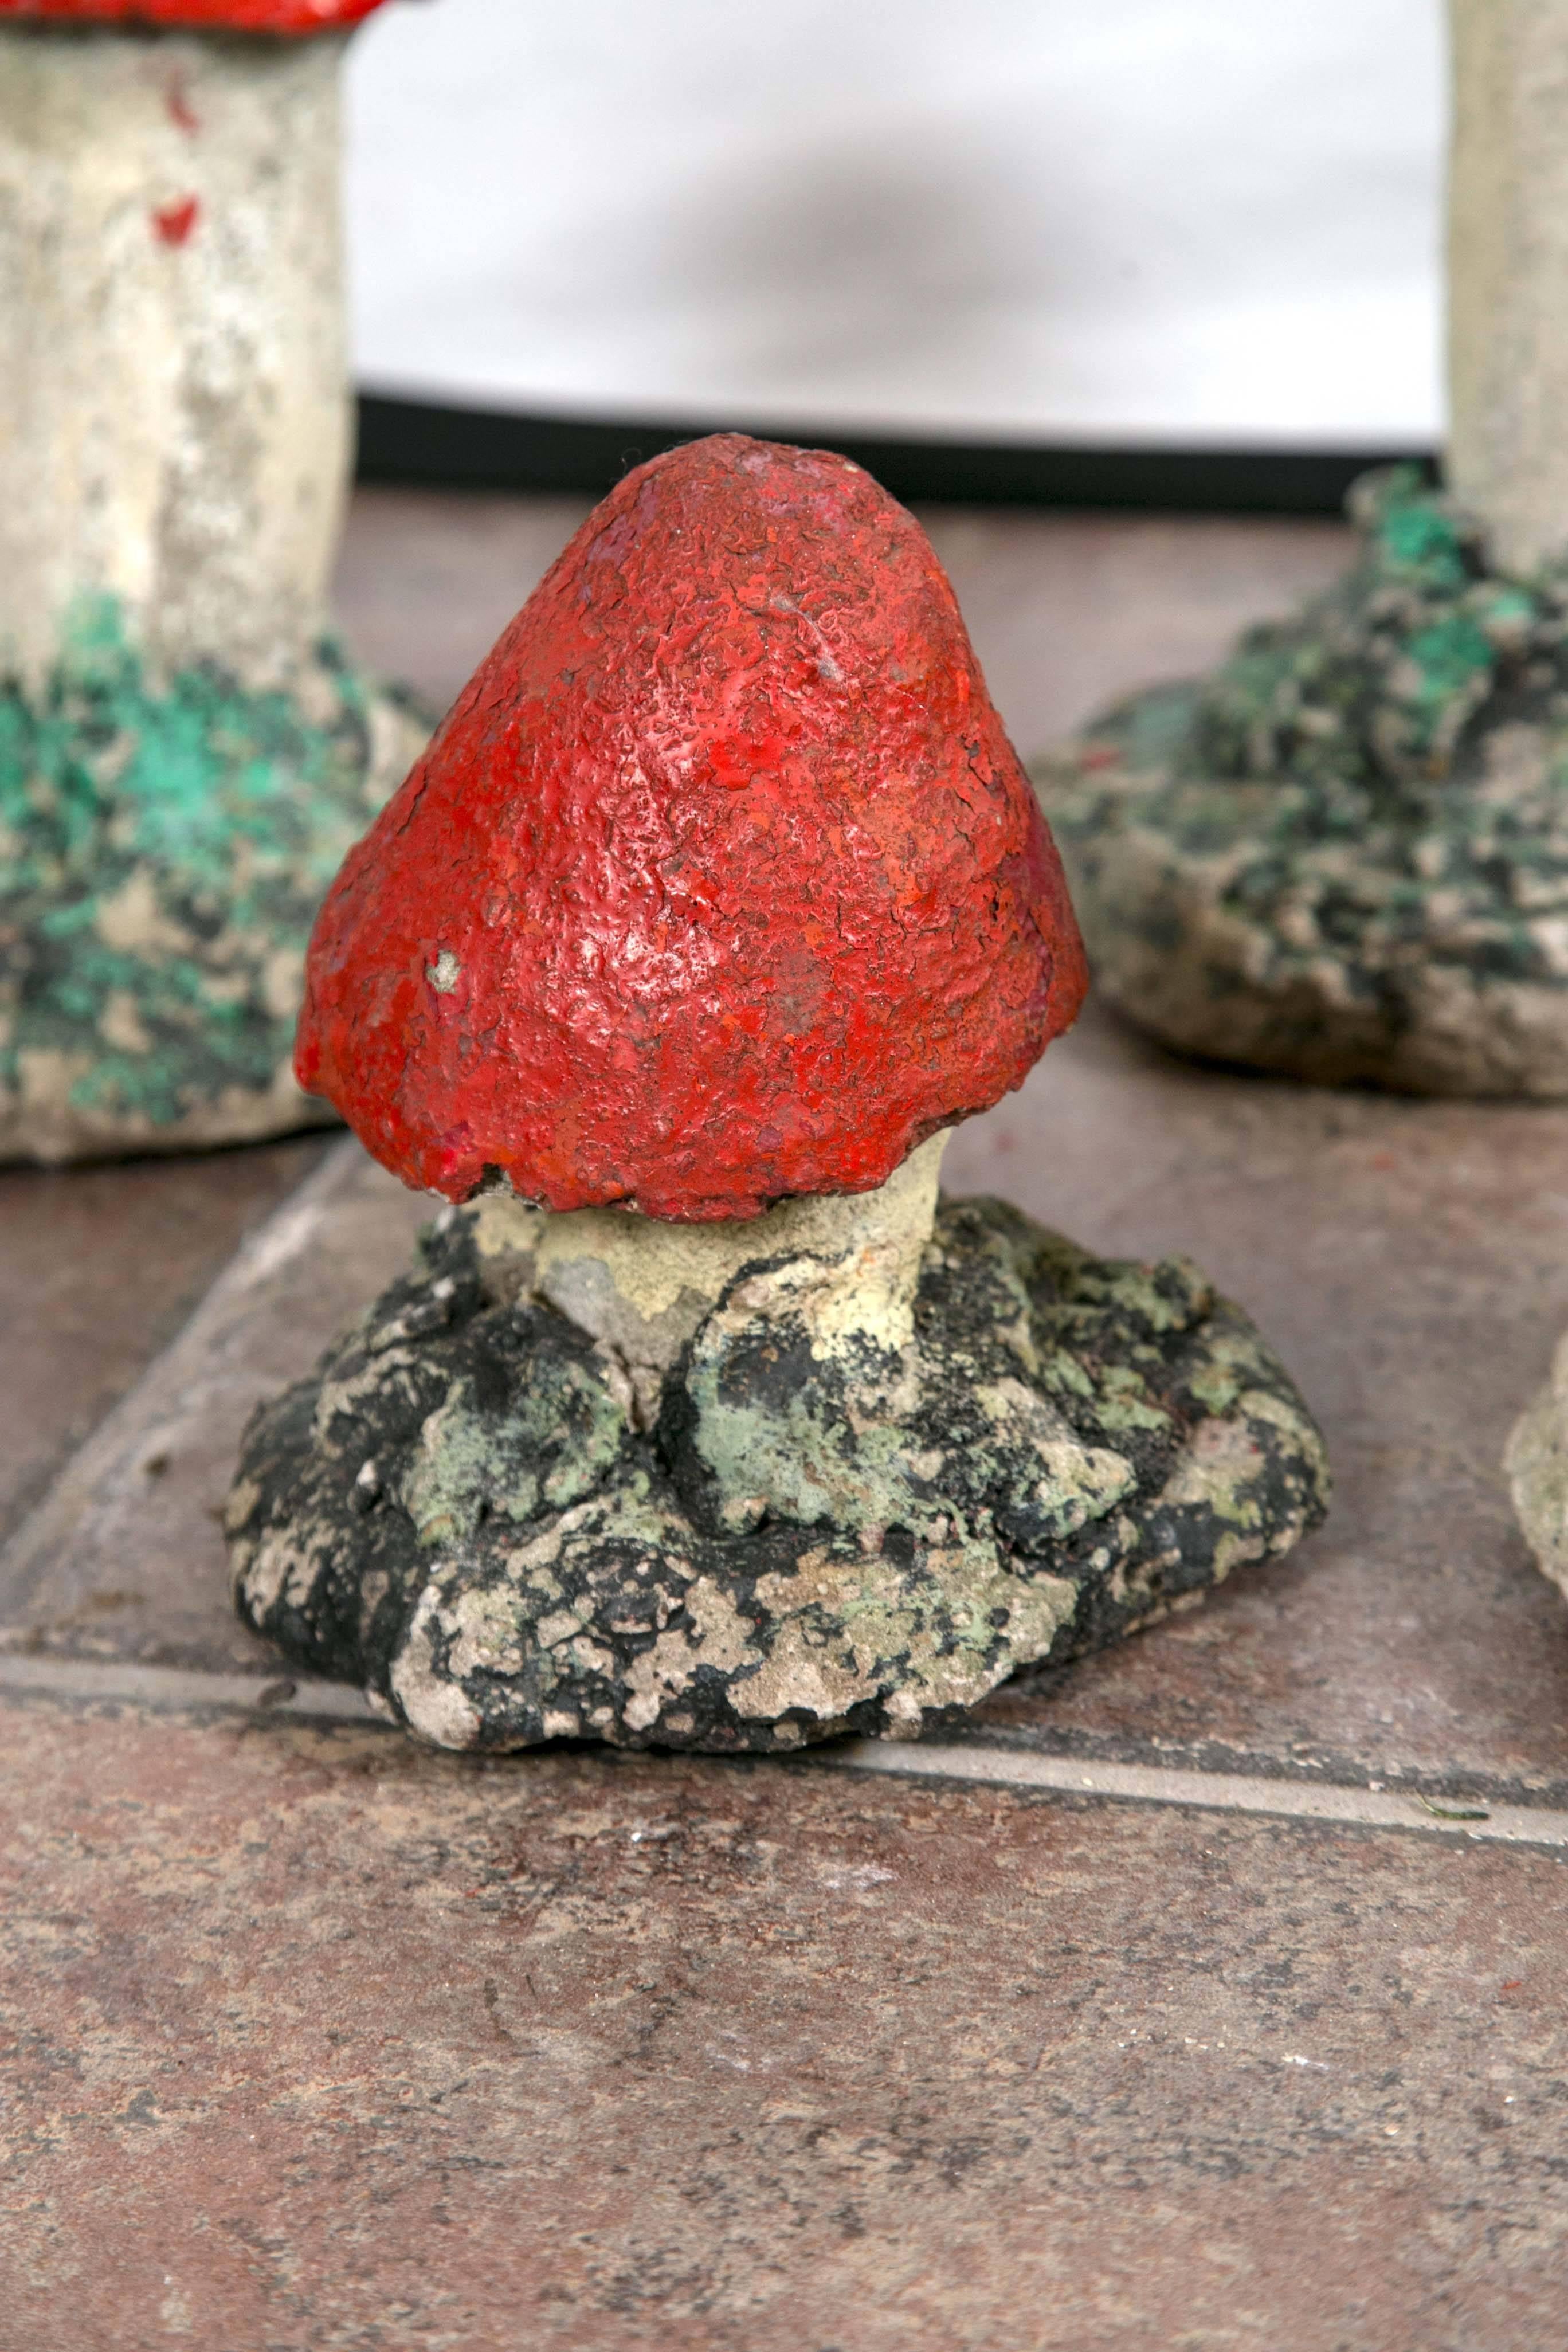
[[98, 1268], [322, 2041], [326, 2043]]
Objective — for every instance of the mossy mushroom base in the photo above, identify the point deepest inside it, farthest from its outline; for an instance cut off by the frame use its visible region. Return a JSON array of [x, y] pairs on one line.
[[164, 848], [470, 1509], [1536, 1467], [1345, 854]]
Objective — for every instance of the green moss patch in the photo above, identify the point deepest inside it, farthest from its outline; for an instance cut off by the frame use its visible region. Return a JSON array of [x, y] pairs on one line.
[[164, 848]]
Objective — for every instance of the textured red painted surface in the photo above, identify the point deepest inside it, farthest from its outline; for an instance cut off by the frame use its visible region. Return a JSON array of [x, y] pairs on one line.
[[720, 882], [174, 223], [216, 15]]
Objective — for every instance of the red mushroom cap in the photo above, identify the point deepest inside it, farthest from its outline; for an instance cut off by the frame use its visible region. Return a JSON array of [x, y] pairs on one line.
[[286, 17], [720, 881]]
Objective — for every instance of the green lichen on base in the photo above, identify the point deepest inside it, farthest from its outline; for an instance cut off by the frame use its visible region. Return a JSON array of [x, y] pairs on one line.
[[461, 1511], [163, 849], [1345, 854]]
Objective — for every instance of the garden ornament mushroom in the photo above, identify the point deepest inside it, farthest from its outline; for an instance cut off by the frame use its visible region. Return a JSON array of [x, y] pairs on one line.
[[718, 898], [185, 755], [1344, 856], [1536, 1465]]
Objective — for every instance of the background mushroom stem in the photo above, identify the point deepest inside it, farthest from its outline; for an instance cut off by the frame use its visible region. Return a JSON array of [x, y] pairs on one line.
[[1507, 269], [186, 751], [179, 427]]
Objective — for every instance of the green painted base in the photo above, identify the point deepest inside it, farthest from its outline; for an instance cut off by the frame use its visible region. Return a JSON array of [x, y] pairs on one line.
[[1345, 854], [163, 853]]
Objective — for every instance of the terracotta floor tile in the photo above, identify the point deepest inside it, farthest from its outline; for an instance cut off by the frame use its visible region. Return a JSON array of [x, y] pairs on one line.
[[99, 1267], [323, 2042]]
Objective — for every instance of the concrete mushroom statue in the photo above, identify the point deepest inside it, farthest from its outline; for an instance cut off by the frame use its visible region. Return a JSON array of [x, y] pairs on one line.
[[185, 754], [1345, 854], [718, 899], [1536, 1463]]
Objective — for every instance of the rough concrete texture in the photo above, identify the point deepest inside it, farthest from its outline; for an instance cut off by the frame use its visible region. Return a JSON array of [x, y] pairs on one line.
[[1537, 1463], [184, 758], [640, 1289], [1409, 1261], [1508, 252], [830, 1522], [1345, 854], [177, 413], [166, 847], [323, 2042]]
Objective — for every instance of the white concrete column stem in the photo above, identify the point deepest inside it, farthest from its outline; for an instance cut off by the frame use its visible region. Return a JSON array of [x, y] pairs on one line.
[[1508, 274], [174, 416]]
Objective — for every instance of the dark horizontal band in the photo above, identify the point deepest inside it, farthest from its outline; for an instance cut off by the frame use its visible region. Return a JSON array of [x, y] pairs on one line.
[[477, 448]]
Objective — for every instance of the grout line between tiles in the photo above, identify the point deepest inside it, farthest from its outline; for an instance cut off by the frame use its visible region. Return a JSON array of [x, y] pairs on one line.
[[1224, 1792], [24, 1674], [178, 1688], [166, 1384]]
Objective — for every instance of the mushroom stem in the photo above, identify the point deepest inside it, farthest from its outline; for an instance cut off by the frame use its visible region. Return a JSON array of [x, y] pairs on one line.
[[640, 1286], [1508, 268], [173, 391]]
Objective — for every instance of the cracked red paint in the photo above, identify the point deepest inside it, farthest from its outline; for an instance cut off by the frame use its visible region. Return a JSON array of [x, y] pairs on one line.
[[720, 883], [286, 17], [174, 223]]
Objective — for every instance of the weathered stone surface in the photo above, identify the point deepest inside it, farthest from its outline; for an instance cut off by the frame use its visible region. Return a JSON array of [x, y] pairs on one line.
[[1536, 1465], [182, 760], [721, 882], [642, 1290], [173, 388], [1505, 453], [1345, 856], [817, 1532], [329, 2040], [165, 848]]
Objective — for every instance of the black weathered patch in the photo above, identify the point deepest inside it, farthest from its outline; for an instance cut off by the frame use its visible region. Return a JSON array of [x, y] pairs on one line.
[[456, 1509]]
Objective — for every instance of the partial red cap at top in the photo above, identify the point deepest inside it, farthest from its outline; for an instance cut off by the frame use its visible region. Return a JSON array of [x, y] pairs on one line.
[[284, 17], [720, 883]]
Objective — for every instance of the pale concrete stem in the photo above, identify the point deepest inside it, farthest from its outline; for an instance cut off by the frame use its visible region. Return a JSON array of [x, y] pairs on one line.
[[1536, 1465], [174, 419], [640, 1286], [1508, 274]]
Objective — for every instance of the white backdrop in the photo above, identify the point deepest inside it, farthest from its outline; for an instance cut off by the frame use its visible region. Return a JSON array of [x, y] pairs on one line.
[[1171, 220]]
